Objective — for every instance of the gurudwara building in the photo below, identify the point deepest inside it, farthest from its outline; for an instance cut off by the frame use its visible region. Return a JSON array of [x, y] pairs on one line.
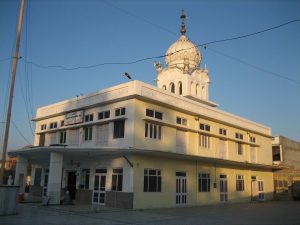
[[135, 145]]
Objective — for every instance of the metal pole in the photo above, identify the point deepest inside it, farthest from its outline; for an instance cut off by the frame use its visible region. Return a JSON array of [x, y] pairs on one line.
[[11, 93]]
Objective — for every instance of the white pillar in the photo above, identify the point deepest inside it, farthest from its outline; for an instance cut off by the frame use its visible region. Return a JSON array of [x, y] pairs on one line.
[[21, 173], [131, 179], [55, 173]]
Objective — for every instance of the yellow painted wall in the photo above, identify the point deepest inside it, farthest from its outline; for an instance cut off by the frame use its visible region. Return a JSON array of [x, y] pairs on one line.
[[168, 142], [168, 167]]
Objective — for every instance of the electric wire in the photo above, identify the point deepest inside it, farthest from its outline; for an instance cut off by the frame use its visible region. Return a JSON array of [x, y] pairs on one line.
[[162, 56], [28, 81], [139, 17], [252, 66], [18, 130]]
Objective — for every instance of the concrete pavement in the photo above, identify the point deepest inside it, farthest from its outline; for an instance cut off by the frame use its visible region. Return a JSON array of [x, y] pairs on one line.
[[265, 213]]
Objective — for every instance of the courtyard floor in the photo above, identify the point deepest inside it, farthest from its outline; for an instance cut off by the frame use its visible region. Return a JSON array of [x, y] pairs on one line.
[[254, 213]]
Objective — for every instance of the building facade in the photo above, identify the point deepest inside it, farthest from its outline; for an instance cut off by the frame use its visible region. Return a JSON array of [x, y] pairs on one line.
[[286, 154], [135, 145]]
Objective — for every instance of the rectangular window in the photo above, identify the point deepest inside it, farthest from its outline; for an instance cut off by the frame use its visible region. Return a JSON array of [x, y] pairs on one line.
[[88, 133], [89, 118], [181, 121], [204, 141], [120, 111], [85, 179], [63, 137], [117, 180], [240, 183], [154, 114], [152, 131], [53, 125], [158, 115], [239, 148], [152, 180], [204, 127], [43, 126], [62, 123], [239, 136], [103, 115], [252, 139], [119, 129], [204, 182], [223, 131]]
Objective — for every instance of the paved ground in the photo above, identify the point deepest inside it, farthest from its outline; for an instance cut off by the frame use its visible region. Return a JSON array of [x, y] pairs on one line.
[[266, 213]]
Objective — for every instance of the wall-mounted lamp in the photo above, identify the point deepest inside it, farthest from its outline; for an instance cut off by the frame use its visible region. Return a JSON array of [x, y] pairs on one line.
[[127, 75], [197, 118]]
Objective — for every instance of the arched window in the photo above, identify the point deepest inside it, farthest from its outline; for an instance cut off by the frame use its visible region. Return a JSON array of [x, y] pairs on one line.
[[180, 88], [164, 87], [172, 87]]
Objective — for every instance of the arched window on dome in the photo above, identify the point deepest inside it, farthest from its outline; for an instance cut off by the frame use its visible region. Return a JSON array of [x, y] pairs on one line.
[[192, 88], [197, 89], [172, 87], [179, 88], [164, 87]]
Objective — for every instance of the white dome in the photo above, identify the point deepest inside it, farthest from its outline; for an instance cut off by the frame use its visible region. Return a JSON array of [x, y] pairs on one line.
[[183, 51]]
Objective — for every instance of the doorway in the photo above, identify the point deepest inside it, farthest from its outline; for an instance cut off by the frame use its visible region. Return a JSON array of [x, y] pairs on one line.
[[223, 188], [71, 186], [99, 187], [180, 188]]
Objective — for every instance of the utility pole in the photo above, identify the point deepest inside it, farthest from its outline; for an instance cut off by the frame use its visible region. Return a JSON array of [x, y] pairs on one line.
[[11, 93]]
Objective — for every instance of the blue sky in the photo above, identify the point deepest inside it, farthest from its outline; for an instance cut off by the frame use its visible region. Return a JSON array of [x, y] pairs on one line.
[[88, 32]]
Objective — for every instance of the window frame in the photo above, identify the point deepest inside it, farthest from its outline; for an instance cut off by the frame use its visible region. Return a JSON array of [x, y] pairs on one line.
[[204, 182], [117, 179], [63, 137], [154, 114], [85, 178], [88, 133], [150, 176], [240, 183], [181, 121], [204, 141], [239, 136], [204, 127], [121, 111], [104, 115], [153, 131], [252, 139], [223, 131], [88, 117], [53, 125], [119, 129], [43, 126]]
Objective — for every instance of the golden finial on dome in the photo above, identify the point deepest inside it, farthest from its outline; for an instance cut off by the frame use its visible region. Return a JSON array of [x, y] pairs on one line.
[[183, 17]]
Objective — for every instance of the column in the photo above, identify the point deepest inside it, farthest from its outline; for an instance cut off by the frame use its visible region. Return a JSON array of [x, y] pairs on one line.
[[21, 173], [55, 173]]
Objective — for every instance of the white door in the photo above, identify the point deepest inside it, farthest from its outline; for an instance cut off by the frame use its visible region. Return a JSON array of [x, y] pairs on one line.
[[254, 188], [222, 149], [180, 188], [102, 135], [223, 188], [99, 187], [261, 193], [180, 141]]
